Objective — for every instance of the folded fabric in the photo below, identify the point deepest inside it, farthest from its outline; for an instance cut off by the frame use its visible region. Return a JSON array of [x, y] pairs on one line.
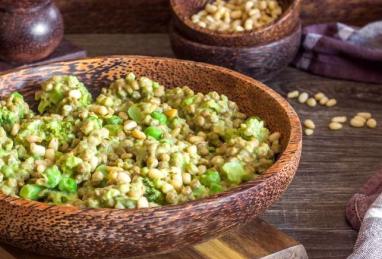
[[340, 51], [364, 212], [368, 245], [361, 201]]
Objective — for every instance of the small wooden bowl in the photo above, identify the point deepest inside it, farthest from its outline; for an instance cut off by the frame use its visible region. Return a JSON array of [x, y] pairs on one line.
[[182, 11], [92, 233], [261, 62]]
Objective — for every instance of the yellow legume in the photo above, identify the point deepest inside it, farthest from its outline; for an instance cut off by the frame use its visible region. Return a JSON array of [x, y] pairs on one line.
[[309, 124], [371, 123], [335, 126]]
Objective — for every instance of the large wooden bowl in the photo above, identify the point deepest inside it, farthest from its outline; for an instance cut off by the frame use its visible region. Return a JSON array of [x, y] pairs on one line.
[[89, 233], [182, 10], [262, 62]]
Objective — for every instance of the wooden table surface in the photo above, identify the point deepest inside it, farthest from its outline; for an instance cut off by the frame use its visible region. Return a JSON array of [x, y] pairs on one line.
[[333, 166]]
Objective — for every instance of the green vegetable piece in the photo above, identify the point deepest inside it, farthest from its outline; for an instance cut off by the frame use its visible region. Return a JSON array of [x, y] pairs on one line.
[[102, 169], [114, 120], [254, 127], [210, 177], [114, 129], [68, 184], [200, 192], [13, 110], [214, 105], [152, 194], [159, 116], [235, 171], [154, 132], [8, 171], [60, 197], [55, 91], [215, 188], [30, 191], [68, 163], [52, 176], [156, 85], [188, 100], [135, 113]]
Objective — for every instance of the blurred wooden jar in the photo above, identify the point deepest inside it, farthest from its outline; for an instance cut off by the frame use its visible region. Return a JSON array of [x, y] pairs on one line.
[[30, 30]]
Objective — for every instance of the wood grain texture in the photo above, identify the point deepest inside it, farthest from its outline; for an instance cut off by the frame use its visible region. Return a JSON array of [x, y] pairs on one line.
[[257, 239], [72, 232], [334, 164], [182, 10], [132, 16], [262, 62], [29, 30], [65, 51]]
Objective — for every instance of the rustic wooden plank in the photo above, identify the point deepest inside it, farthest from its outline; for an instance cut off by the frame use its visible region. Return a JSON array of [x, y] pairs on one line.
[[257, 239], [334, 164], [131, 16]]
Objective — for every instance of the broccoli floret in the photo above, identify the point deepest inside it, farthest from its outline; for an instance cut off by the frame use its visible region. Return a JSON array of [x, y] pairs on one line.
[[68, 163], [46, 128], [151, 193], [13, 109], [60, 91]]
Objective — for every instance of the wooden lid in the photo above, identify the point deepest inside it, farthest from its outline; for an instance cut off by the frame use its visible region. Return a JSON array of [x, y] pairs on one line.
[[22, 5]]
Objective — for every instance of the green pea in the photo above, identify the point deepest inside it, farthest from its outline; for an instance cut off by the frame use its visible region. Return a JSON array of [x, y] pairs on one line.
[[156, 85], [67, 184], [210, 177], [215, 188], [135, 113], [189, 100], [114, 120], [52, 176], [30, 191], [161, 117], [154, 132]]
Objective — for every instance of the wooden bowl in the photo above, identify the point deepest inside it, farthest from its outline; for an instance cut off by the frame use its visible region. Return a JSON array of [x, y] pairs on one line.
[[262, 62], [30, 30], [88, 233], [182, 10]]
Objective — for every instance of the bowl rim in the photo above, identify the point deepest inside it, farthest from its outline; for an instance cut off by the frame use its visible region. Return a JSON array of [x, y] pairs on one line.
[[186, 21], [293, 146], [175, 31]]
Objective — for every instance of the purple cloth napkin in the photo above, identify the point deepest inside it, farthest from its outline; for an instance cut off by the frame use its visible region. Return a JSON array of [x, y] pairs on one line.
[[363, 199], [364, 212], [340, 51]]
